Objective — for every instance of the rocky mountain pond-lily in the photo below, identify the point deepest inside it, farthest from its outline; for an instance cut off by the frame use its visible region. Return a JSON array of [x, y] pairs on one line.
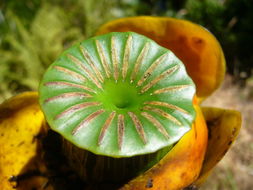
[[121, 111]]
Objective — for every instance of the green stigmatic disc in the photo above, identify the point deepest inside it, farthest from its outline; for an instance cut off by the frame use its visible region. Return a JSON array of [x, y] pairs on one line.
[[118, 95]]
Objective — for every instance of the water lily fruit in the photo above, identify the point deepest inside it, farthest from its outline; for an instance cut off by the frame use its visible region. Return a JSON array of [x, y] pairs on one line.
[[119, 111], [120, 102]]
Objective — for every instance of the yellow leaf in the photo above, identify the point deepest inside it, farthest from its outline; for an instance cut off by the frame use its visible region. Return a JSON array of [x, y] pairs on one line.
[[21, 125]]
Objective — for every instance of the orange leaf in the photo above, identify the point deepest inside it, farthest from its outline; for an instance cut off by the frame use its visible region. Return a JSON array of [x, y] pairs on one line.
[[194, 45], [181, 166], [223, 127]]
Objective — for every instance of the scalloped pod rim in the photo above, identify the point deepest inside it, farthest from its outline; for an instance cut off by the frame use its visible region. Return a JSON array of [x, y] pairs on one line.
[[117, 95], [193, 44]]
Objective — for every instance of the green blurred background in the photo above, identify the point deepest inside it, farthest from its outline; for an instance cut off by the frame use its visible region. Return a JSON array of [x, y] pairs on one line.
[[34, 32]]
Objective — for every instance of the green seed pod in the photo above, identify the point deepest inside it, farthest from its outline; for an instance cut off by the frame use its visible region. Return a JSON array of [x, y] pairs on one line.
[[120, 102]]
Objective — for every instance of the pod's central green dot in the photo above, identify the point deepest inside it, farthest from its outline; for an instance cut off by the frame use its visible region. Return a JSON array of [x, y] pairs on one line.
[[121, 103], [120, 96]]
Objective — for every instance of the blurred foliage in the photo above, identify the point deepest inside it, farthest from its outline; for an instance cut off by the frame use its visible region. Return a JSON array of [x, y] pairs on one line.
[[34, 32], [231, 22]]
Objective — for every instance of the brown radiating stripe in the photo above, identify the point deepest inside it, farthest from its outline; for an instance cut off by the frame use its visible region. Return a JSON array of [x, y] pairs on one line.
[[169, 89], [138, 126], [71, 73], [126, 56], [105, 127], [139, 60], [77, 107], [87, 120], [115, 60], [103, 59], [80, 64], [156, 123], [162, 113], [160, 77], [91, 63], [121, 129], [151, 69], [68, 95], [68, 84], [167, 105]]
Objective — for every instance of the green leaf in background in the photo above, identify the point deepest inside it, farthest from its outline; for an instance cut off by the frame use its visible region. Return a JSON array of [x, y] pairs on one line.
[[30, 42]]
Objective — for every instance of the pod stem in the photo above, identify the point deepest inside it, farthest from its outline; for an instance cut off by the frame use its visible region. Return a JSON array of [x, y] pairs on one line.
[[94, 168]]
